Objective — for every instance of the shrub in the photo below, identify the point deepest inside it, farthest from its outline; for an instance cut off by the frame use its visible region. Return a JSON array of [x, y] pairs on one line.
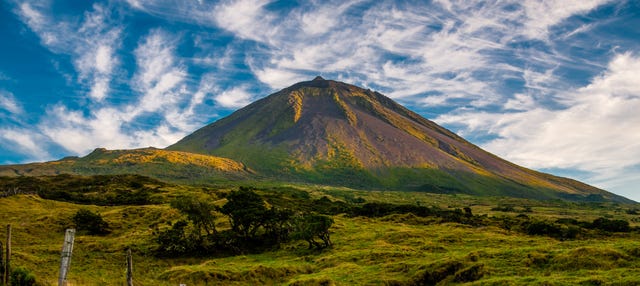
[[22, 277], [543, 228], [324, 205], [470, 274], [438, 273], [615, 225], [91, 222], [505, 208], [174, 241], [552, 230]]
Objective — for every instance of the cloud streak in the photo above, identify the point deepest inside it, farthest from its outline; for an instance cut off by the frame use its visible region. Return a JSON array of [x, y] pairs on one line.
[[92, 43], [9, 103], [597, 131]]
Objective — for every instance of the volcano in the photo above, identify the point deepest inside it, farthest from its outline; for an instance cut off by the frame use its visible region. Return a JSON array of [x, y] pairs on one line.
[[332, 133]]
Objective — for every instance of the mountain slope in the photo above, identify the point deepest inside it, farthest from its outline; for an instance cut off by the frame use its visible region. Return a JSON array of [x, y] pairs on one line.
[[157, 163], [329, 132]]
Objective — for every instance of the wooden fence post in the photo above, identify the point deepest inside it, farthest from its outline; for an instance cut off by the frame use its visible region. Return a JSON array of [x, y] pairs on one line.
[[67, 250], [129, 268], [7, 257], [1, 264]]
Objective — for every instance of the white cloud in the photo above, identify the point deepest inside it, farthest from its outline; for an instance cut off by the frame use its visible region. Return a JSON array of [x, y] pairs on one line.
[[154, 57], [160, 76], [598, 130], [34, 18], [160, 84], [91, 42], [321, 17], [25, 142], [104, 59], [278, 78], [520, 102], [234, 98], [246, 18], [456, 49], [9, 103], [541, 15], [100, 88], [426, 42]]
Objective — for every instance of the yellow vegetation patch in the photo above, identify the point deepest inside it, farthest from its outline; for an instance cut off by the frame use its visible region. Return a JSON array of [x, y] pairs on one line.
[[150, 155], [295, 101], [351, 117]]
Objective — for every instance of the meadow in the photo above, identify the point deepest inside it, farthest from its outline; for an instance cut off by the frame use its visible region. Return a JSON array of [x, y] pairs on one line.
[[488, 241]]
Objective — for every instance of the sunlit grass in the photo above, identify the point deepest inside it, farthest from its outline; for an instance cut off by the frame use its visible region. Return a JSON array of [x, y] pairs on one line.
[[367, 251]]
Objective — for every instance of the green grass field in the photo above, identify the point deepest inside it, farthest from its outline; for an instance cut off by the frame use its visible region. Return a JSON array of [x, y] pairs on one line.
[[397, 249]]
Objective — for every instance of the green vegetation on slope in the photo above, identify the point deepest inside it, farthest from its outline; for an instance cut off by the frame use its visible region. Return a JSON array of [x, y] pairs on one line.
[[379, 237], [175, 166]]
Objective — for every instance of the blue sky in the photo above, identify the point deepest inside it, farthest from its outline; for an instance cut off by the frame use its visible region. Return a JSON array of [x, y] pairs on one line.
[[550, 85]]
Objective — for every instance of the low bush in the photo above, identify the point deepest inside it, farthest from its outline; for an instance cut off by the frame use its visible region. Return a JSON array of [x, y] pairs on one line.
[[93, 223], [438, 273], [96, 190], [551, 229], [611, 225], [469, 274], [22, 277]]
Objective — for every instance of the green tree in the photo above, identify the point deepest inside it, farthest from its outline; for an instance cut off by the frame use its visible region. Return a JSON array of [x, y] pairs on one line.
[[312, 226], [246, 211], [174, 241], [93, 223], [277, 224], [199, 212]]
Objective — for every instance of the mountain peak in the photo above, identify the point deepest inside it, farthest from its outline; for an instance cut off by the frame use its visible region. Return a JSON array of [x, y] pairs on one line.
[[330, 132]]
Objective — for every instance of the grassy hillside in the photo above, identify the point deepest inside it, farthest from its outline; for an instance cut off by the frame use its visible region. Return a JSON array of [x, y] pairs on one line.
[[389, 249], [176, 166]]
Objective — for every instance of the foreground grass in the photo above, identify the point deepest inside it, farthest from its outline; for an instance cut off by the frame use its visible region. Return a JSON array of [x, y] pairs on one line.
[[392, 250]]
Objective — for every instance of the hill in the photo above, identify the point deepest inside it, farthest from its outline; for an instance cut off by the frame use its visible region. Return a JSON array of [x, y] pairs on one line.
[[167, 165]]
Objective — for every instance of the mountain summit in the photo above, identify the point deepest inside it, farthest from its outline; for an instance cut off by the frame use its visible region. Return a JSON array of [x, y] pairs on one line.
[[329, 132]]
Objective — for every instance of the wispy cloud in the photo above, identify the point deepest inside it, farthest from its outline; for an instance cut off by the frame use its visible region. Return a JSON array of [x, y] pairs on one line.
[[160, 75], [242, 16], [451, 51], [542, 15], [234, 98], [159, 81], [9, 103], [24, 141], [597, 130], [92, 42], [459, 50]]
